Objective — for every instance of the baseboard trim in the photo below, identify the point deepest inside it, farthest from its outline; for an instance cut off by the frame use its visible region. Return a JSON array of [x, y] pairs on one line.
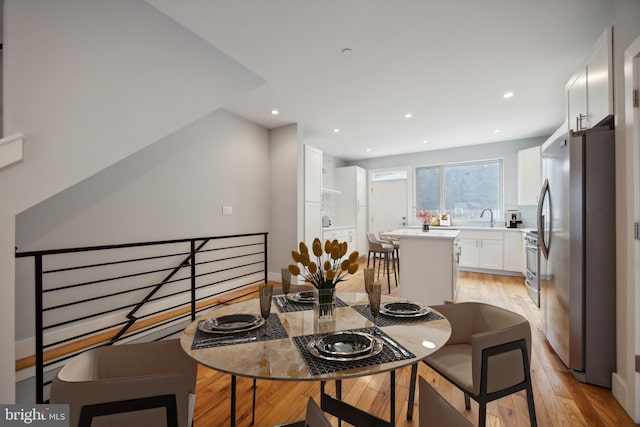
[[620, 392]]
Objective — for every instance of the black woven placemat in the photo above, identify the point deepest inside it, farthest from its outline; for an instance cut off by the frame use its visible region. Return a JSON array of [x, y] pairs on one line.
[[320, 366], [286, 306], [382, 320], [273, 328]]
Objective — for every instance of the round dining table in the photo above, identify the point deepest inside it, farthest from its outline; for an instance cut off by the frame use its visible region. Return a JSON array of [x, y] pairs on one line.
[[259, 355]]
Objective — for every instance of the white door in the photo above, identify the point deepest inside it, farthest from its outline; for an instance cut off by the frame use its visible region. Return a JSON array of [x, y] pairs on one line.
[[387, 205]]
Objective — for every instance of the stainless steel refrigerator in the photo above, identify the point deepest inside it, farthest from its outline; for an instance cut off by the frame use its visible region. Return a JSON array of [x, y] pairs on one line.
[[576, 235]]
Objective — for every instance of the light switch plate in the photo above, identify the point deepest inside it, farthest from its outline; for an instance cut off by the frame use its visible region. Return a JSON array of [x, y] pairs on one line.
[[227, 210]]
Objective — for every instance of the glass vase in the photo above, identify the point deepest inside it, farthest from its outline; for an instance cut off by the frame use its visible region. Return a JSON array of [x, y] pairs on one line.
[[324, 304]]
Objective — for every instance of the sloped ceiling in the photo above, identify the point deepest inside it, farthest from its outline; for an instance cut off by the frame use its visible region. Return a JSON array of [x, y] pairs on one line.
[[90, 83]]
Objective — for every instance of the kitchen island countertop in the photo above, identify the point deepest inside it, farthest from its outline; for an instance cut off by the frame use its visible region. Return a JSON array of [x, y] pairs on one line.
[[419, 234]]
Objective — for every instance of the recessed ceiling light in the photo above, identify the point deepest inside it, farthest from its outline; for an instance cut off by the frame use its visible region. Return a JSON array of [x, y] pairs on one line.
[[497, 131], [368, 150], [424, 141], [346, 51], [508, 95], [408, 115], [336, 130], [275, 112]]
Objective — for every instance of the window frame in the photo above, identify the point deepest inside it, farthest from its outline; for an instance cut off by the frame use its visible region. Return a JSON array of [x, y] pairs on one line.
[[441, 193]]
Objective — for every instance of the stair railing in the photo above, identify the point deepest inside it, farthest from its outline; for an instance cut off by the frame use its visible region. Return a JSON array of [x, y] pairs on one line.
[[87, 297]]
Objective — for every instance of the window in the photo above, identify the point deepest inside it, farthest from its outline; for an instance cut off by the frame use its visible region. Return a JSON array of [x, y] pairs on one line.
[[460, 190], [389, 175]]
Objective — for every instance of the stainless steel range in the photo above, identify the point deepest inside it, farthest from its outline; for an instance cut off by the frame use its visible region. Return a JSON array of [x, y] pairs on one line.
[[532, 280]]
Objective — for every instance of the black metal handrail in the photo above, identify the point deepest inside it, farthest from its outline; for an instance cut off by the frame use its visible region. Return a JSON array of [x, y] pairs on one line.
[[115, 286]]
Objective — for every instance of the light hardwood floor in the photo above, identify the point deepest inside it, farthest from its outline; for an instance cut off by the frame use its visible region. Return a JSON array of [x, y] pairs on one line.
[[560, 400]]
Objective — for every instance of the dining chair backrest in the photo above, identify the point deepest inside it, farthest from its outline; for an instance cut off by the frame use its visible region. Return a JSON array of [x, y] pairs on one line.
[[119, 384], [435, 411], [376, 245], [488, 354], [315, 417]]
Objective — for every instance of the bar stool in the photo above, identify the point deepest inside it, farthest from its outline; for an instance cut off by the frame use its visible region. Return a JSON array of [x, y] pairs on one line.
[[396, 249], [378, 247]]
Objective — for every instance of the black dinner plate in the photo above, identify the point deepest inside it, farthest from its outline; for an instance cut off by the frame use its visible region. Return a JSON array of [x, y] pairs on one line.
[[231, 323], [403, 309]]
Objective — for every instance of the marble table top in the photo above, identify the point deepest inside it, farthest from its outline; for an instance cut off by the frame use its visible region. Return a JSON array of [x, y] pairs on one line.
[[279, 359]]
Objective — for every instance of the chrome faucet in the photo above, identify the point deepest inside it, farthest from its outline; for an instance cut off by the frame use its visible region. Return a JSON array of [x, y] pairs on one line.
[[491, 212]]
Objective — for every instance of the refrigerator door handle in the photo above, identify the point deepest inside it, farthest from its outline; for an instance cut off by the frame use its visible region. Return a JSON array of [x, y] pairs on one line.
[[545, 196]]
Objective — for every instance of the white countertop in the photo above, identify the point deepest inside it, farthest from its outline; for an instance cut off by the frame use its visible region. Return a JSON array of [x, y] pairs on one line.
[[433, 233], [337, 227], [474, 228]]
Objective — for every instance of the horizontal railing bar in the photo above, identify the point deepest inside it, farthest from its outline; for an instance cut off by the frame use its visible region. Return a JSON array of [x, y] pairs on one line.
[[111, 279], [56, 307], [230, 258], [74, 320], [230, 268], [232, 299], [127, 276], [59, 306], [111, 326], [86, 334], [123, 261], [89, 316], [217, 282], [56, 353], [130, 245], [246, 245]]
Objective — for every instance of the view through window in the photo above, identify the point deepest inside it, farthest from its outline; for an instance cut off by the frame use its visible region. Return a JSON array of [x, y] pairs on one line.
[[461, 190]]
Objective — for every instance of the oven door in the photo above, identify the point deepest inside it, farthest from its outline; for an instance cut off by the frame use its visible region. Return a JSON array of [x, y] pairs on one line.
[[531, 277], [531, 251]]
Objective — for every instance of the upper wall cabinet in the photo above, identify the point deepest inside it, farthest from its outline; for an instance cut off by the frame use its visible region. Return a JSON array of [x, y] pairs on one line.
[[312, 174], [589, 92], [529, 167]]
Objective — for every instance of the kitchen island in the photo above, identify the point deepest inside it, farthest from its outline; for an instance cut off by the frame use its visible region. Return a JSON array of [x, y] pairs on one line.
[[428, 266]]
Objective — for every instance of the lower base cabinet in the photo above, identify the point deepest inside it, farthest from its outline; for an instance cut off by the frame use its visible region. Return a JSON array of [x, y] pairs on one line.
[[481, 249]]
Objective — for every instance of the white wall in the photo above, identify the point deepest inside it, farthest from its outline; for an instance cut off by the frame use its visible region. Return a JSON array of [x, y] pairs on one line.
[[625, 385], [88, 84], [283, 204], [507, 151], [173, 189]]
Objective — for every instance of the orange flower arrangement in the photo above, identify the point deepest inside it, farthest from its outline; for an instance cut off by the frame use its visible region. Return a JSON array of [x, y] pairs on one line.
[[328, 273]]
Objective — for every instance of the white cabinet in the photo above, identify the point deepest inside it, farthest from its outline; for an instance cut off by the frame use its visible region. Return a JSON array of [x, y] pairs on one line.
[[577, 117], [469, 252], [349, 235], [351, 181], [312, 174], [312, 222], [600, 80], [590, 90], [481, 249], [331, 235], [529, 176], [312, 194], [513, 251], [341, 235]]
